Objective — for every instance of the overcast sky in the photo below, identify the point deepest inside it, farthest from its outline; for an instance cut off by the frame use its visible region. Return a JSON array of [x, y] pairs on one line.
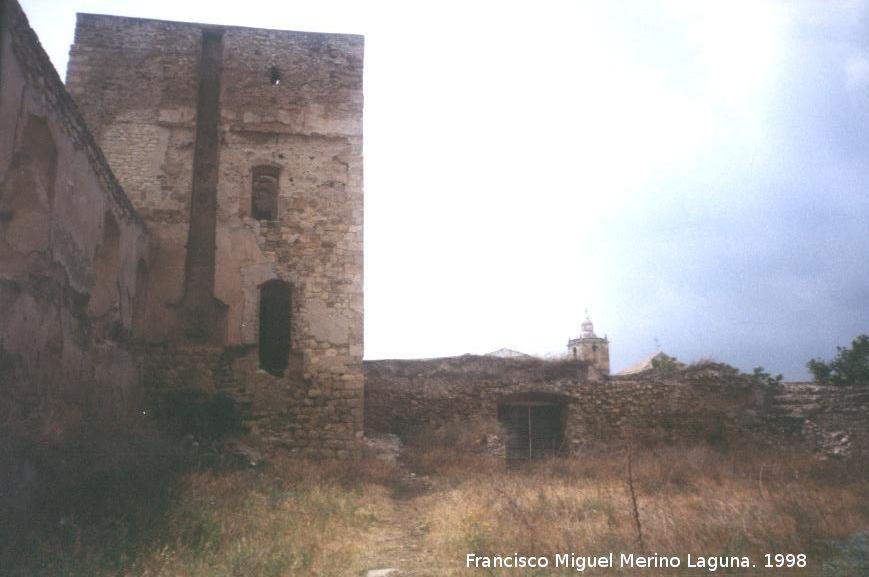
[[692, 172]]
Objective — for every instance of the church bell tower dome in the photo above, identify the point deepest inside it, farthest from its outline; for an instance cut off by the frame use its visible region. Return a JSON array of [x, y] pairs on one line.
[[587, 329]]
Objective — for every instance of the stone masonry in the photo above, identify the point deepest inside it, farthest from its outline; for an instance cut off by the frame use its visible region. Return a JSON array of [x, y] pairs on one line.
[[590, 347], [703, 403], [242, 150]]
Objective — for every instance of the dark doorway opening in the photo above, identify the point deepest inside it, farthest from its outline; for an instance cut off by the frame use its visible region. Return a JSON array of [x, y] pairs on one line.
[[534, 429], [275, 325]]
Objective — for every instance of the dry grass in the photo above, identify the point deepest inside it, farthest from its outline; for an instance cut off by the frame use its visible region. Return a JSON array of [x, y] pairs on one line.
[[293, 517], [691, 500], [300, 518]]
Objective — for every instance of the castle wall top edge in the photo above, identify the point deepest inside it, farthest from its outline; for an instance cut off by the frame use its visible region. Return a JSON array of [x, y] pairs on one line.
[[92, 19]]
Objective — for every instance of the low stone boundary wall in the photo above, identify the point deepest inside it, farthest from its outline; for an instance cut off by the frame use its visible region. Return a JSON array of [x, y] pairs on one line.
[[705, 403]]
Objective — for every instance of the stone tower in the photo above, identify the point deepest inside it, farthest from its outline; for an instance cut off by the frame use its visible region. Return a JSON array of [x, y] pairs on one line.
[[242, 150], [590, 347]]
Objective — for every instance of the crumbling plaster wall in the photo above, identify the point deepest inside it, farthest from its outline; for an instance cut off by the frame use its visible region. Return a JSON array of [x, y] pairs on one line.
[[136, 81], [71, 250], [139, 100]]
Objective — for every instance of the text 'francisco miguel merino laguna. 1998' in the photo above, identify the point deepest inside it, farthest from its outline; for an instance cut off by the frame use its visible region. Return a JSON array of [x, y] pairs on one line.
[[630, 561]]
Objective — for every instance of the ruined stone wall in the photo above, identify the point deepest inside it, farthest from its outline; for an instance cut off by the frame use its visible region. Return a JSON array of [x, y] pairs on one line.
[[402, 395], [835, 418], [292, 413], [73, 259], [140, 103], [289, 101], [701, 404]]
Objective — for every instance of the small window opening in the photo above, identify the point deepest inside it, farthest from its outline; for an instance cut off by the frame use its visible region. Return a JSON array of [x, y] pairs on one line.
[[594, 348], [275, 75], [275, 323], [264, 196]]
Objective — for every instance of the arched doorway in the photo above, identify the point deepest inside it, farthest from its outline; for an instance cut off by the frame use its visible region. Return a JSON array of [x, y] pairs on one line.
[[275, 326]]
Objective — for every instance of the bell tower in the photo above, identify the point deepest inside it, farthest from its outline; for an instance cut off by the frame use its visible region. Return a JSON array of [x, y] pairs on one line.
[[590, 347]]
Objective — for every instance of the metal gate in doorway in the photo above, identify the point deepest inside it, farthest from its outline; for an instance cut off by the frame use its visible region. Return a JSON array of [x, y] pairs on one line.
[[533, 430]]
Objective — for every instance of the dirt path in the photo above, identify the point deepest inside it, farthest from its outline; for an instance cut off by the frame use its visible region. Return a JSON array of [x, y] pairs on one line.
[[400, 550]]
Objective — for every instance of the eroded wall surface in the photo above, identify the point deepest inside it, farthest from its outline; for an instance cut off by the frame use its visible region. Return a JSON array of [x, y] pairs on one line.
[[73, 259], [835, 418], [287, 101], [711, 403]]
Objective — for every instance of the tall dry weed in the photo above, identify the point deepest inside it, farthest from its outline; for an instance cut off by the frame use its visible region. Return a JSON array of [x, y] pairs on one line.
[[696, 500]]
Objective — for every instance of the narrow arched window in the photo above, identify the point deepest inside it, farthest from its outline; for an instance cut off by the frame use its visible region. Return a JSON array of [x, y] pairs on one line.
[[106, 264], [140, 300], [275, 326], [264, 192]]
